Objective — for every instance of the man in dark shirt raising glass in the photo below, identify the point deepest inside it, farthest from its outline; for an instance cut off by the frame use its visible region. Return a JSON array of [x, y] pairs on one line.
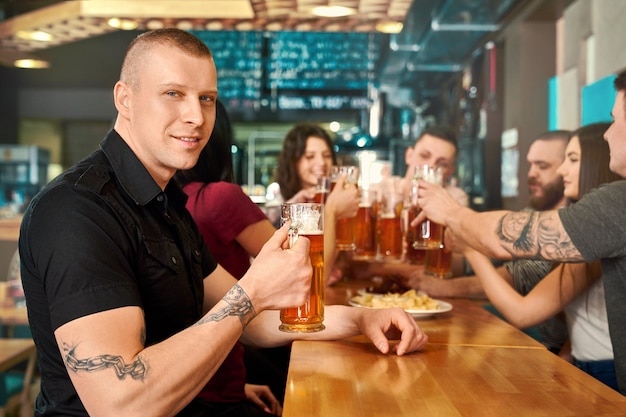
[[130, 313]]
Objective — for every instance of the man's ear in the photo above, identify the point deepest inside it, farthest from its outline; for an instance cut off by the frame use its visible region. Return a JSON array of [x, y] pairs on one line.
[[408, 155], [121, 97]]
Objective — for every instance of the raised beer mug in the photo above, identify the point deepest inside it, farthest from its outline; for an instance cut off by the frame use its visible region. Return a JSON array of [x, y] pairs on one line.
[[307, 219], [427, 234], [322, 189], [345, 229], [388, 219], [365, 238]]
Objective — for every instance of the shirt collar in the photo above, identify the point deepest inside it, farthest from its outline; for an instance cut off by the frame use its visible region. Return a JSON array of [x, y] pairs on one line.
[[130, 172]]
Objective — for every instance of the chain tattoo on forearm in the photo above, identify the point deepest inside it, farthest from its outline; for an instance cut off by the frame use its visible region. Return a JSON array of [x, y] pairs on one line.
[[536, 233], [136, 370], [238, 305]]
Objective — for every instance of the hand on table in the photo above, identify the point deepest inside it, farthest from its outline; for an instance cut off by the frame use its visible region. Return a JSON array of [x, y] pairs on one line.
[[386, 324], [261, 396]]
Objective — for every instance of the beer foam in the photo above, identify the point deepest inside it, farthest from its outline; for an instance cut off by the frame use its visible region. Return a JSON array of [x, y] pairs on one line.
[[309, 222]]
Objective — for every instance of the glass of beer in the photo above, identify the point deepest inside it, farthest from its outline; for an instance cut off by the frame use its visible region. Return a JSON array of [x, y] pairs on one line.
[[428, 234], [438, 262], [388, 225], [413, 255], [322, 190], [307, 219], [345, 229], [365, 240]]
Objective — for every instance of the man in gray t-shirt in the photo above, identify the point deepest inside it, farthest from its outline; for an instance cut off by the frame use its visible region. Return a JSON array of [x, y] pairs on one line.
[[594, 228]]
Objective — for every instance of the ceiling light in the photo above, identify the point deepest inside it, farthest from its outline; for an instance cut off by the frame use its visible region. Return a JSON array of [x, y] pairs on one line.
[[215, 25], [333, 11], [243, 26], [34, 35], [124, 24], [184, 25], [274, 26], [389, 27], [155, 24], [31, 63]]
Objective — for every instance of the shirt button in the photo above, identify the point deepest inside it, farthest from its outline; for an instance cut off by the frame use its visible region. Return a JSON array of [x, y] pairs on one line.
[[174, 261], [197, 252], [160, 198]]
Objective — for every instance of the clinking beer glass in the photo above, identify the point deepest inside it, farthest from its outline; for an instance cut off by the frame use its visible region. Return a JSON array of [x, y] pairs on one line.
[[410, 211], [365, 241], [307, 219], [345, 229], [428, 234], [438, 262], [322, 190], [413, 255], [388, 216]]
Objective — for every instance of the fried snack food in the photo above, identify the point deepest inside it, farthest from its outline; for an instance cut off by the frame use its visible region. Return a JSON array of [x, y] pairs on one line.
[[409, 300]]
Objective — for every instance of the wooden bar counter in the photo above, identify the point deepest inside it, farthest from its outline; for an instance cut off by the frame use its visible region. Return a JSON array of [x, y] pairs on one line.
[[474, 365], [10, 228], [12, 353]]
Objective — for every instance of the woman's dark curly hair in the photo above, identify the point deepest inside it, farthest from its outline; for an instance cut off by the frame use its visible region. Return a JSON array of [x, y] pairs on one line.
[[293, 149]]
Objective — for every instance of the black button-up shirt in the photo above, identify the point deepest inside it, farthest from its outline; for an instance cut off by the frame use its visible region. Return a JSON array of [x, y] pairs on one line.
[[103, 235]]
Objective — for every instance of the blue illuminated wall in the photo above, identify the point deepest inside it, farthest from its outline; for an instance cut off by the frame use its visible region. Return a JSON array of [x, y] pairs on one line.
[[595, 104], [597, 101], [552, 104]]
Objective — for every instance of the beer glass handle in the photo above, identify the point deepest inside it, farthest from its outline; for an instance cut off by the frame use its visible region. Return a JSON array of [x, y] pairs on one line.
[[293, 233]]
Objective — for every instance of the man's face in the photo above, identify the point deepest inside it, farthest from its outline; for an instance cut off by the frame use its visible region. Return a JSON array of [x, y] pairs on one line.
[[545, 185], [432, 151], [171, 112], [616, 136]]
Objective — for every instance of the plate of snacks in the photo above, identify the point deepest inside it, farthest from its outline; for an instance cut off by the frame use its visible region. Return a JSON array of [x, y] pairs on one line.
[[416, 303]]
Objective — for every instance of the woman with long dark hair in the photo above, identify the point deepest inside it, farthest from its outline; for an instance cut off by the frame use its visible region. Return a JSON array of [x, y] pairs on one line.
[[307, 154]]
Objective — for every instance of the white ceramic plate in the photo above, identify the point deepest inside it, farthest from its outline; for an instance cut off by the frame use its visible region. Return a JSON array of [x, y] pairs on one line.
[[443, 307]]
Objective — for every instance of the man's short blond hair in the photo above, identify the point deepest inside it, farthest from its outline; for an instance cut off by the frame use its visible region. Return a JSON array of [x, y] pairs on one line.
[[143, 43]]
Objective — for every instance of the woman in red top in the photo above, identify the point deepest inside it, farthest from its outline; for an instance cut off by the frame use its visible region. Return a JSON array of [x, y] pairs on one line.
[[234, 229]]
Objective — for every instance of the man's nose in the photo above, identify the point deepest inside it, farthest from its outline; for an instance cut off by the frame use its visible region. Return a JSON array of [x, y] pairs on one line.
[[192, 113]]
